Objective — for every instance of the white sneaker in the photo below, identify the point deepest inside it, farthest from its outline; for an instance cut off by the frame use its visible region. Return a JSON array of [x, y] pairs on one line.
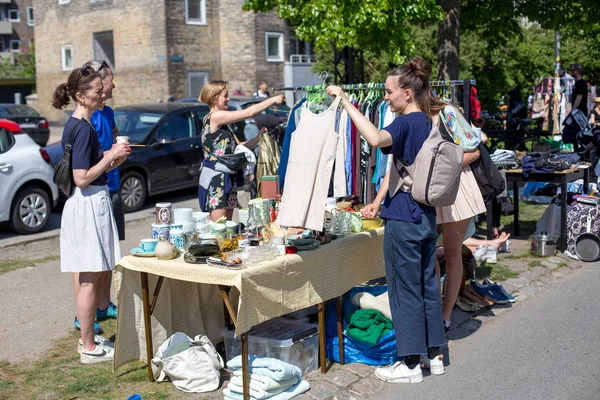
[[480, 253], [435, 365], [99, 354], [400, 373], [505, 248], [98, 339], [491, 256]]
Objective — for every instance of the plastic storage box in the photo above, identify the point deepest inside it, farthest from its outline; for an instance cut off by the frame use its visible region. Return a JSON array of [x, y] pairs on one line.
[[294, 342]]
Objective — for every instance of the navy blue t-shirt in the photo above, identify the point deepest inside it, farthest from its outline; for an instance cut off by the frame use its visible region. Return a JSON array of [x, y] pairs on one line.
[[86, 151], [409, 132]]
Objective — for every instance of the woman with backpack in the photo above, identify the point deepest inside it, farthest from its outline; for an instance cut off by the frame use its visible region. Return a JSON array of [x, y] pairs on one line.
[[454, 219], [409, 241]]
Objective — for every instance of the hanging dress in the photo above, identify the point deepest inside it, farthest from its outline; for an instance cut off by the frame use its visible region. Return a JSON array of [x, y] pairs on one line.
[[312, 152], [217, 190]]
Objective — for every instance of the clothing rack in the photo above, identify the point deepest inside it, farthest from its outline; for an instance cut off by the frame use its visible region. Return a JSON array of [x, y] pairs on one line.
[[467, 83], [367, 86]]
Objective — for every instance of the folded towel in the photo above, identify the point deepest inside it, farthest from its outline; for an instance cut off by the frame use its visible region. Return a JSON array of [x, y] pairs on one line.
[[275, 369], [263, 382], [368, 326], [291, 392], [258, 393]]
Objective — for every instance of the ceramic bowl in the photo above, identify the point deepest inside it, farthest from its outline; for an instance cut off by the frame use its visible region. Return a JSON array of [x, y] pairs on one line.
[[371, 223], [216, 228]]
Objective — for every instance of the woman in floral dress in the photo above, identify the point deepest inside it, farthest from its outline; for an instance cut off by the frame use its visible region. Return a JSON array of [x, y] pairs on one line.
[[217, 192]]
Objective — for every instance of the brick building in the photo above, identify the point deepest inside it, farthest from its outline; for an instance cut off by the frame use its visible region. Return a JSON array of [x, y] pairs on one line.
[[16, 26], [158, 48]]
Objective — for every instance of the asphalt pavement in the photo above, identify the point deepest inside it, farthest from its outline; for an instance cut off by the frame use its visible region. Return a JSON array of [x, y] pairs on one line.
[[544, 349]]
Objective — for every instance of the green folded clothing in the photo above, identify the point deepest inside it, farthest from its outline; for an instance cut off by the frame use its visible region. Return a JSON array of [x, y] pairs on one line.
[[368, 326]]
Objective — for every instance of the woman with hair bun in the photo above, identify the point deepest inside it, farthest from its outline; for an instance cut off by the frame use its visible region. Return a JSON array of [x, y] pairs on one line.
[[217, 192], [89, 240], [409, 241]]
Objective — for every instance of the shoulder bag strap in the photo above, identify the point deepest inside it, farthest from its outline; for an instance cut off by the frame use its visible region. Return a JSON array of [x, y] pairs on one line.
[[69, 144]]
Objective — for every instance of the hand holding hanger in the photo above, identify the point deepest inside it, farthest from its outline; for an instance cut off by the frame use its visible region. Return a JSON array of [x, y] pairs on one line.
[[336, 91]]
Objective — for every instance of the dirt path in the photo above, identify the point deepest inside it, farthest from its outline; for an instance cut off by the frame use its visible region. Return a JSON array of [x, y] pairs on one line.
[[36, 303]]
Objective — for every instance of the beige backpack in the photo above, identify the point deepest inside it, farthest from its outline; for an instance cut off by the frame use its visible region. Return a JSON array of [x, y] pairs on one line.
[[434, 177]]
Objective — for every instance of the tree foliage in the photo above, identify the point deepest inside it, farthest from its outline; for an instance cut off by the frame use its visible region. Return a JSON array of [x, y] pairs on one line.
[[373, 25]]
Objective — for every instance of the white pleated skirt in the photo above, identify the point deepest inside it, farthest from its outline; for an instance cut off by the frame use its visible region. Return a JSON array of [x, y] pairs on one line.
[[469, 201], [89, 240]]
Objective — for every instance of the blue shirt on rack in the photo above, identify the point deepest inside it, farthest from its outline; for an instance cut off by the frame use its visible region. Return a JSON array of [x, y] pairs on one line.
[[287, 140]]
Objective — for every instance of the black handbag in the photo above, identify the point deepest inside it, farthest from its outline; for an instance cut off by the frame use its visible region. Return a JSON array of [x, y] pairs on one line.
[[490, 180], [234, 162], [63, 173]]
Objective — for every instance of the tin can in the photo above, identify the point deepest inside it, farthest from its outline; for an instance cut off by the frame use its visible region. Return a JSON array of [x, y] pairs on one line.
[[163, 213]]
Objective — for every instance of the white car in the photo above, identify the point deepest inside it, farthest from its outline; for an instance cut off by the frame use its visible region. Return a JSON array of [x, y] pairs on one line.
[[27, 192]]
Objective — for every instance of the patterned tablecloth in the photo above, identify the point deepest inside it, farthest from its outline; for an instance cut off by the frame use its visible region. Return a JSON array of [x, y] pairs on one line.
[[189, 300]]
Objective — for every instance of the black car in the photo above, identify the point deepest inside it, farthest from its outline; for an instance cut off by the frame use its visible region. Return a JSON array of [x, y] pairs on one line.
[[30, 121], [167, 152]]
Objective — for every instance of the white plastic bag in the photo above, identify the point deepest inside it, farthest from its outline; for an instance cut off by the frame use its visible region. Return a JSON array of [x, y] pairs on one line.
[[191, 365]]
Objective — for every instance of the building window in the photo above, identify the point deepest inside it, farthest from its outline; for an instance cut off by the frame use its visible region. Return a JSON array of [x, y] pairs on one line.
[[13, 15], [64, 1], [195, 12], [103, 46], [196, 80], [15, 46], [30, 15], [66, 57], [2, 45], [274, 45]]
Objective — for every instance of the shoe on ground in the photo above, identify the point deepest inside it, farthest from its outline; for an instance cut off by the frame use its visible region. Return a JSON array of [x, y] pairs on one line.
[[486, 254], [491, 255], [467, 305], [434, 365], [400, 373], [100, 340], [489, 291], [505, 248], [480, 253], [110, 312], [97, 329], [500, 289], [99, 354]]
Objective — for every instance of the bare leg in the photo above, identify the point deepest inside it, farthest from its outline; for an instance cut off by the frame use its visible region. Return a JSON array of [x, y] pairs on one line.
[[473, 243], [216, 214], [87, 302], [454, 234], [104, 290], [75, 286]]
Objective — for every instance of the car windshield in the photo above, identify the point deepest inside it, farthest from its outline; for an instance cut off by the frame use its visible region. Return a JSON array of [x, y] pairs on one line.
[[18, 111], [281, 110], [135, 124]]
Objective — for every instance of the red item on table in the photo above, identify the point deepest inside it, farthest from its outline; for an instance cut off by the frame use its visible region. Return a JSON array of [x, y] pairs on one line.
[[291, 250]]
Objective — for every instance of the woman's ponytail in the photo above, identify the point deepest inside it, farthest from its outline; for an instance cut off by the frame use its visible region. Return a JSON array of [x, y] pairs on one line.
[[61, 96]]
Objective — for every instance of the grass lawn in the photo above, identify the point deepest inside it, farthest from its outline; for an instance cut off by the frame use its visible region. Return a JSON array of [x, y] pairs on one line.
[[9, 265], [529, 215], [60, 375]]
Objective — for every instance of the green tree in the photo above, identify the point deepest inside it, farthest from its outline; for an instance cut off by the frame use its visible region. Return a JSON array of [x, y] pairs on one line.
[[380, 26]]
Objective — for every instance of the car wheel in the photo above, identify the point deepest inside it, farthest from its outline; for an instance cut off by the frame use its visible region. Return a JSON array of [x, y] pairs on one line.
[[31, 210], [133, 191]]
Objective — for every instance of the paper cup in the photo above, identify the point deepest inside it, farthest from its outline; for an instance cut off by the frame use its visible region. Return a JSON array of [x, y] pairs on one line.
[[122, 139]]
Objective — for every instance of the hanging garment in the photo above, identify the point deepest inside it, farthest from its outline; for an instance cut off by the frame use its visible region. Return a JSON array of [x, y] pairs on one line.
[[348, 163], [268, 158], [339, 174], [285, 148], [312, 152]]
